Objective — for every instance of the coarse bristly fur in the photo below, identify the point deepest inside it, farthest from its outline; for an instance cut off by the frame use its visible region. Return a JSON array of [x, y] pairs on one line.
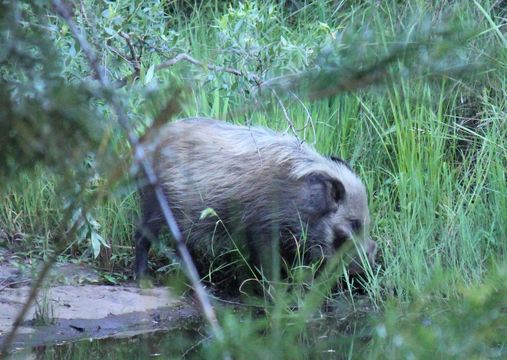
[[265, 188]]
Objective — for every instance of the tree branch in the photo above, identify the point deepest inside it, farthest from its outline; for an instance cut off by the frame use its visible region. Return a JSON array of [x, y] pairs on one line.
[[136, 63], [185, 57]]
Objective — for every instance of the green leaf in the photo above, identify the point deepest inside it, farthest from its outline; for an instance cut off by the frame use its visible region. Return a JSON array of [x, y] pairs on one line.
[[206, 213], [97, 242], [149, 74], [111, 279], [109, 31]]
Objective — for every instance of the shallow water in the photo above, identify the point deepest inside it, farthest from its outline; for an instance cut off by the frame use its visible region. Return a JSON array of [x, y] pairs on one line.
[[161, 344], [326, 337]]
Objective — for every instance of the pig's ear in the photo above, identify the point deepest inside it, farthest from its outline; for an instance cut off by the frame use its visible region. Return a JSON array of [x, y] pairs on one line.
[[322, 193]]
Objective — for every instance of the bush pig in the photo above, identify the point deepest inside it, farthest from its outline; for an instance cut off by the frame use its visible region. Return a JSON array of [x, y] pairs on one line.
[[264, 189]]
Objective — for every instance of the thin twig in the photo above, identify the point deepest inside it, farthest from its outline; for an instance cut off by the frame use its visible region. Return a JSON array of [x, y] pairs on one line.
[[309, 119], [136, 63], [162, 52], [211, 67], [140, 158], [286, 115], [185, 57], [85, 15], [237, 303], [194, 346], [123, 57], [8, 285]]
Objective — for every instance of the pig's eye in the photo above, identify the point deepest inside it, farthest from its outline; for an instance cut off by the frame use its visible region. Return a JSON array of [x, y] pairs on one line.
[[340, 237], [355, 225]]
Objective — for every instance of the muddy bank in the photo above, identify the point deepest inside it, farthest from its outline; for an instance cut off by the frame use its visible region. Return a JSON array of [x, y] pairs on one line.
[[73, 308], [123, 325]]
